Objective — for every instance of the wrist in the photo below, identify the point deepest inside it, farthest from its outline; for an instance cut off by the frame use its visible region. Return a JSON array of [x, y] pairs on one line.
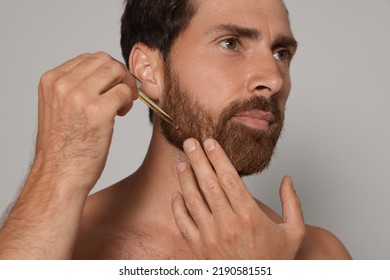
[[59, 177], [45, 218]]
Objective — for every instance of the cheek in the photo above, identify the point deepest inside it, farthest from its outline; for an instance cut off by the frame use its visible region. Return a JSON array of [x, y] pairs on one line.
[[210, 83], [283, 95]]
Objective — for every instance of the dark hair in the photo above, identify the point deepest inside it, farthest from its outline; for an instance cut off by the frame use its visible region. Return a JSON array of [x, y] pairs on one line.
[[155, 23]]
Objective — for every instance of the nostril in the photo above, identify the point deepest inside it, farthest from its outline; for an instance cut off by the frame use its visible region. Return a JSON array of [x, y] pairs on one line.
[[262, 88]]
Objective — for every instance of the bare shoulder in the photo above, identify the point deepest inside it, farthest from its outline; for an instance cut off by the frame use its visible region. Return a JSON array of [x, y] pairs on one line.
[[97, 222], [319, 244]]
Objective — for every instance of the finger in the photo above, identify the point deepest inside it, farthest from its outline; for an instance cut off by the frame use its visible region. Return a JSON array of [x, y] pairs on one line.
[[206, 177], [72, 63], [184, 222], [107, 76], [51, 76], [123, 111], [234, 188], [291, 207], [81, 71], [117, 100], [193, 199]]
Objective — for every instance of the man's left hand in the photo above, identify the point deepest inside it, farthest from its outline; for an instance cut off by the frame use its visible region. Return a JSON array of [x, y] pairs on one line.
[[220, 219]]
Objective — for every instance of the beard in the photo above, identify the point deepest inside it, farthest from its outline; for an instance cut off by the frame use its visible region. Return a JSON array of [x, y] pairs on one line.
[[250, 150]]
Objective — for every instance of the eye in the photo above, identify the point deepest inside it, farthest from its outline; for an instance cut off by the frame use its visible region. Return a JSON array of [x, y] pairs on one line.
[[282, 55], [230, 44]]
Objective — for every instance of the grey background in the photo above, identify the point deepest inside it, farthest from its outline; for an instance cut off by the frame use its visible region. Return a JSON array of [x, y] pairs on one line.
[[335, 143]]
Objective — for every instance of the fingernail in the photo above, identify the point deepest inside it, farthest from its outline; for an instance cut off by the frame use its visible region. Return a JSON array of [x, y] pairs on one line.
[[209, 145], [290, 182], [181, 166], [189, 145]]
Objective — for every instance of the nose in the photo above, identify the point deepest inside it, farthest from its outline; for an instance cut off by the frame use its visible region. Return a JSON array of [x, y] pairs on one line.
[[265, 78]]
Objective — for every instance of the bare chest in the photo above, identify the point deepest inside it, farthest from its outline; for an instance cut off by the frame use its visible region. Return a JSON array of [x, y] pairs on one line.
[[137, 245]]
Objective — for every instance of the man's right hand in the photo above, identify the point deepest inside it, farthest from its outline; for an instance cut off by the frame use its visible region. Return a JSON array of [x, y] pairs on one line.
[[78, 102]]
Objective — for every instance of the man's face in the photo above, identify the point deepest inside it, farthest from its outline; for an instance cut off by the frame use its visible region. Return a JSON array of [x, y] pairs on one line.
[[228, 78]]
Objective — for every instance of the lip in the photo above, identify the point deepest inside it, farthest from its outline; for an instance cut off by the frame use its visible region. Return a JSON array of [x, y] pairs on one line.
[[256, 119]]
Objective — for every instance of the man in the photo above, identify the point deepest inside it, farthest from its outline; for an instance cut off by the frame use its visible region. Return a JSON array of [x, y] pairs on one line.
[[221, 70]]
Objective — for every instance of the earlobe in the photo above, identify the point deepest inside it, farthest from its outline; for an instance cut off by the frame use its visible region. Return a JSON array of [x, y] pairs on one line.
[[145, 63]]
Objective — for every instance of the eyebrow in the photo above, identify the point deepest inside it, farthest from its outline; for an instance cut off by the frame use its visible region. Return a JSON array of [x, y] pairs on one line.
[[286, 42], [254, 34], [250, 33]]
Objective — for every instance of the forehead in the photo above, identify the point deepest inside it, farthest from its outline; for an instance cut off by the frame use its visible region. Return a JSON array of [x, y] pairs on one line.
[[269, 16]]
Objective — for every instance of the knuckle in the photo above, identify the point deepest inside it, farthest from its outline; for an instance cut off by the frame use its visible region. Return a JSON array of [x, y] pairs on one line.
[[209, 185], [181, 224], [113, 69], [47, 78], [184, 232], [103, 56], [75, 99], [232, 183], [193, 204], [247, 219], [84, 55], [117, 67], [60, 87], [105, 71], [229, 180]]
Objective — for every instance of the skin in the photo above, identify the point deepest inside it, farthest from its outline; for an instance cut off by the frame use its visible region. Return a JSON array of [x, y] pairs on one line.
[[194, 205], [77, 105]]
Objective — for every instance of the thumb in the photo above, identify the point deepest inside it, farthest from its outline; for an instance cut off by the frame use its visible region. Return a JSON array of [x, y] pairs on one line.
[[291, 206]]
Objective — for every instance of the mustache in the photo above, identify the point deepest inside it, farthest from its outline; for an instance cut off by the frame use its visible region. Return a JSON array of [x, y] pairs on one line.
[[268, 105]]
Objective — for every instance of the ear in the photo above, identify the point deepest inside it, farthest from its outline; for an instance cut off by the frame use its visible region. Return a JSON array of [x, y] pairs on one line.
[[147, 65]]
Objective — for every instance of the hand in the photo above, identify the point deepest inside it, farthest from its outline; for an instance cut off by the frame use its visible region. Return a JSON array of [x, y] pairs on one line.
[[78, 102], [219, 218]]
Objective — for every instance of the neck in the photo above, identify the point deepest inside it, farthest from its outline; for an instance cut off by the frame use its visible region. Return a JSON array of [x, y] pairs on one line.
[[151, 187]]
